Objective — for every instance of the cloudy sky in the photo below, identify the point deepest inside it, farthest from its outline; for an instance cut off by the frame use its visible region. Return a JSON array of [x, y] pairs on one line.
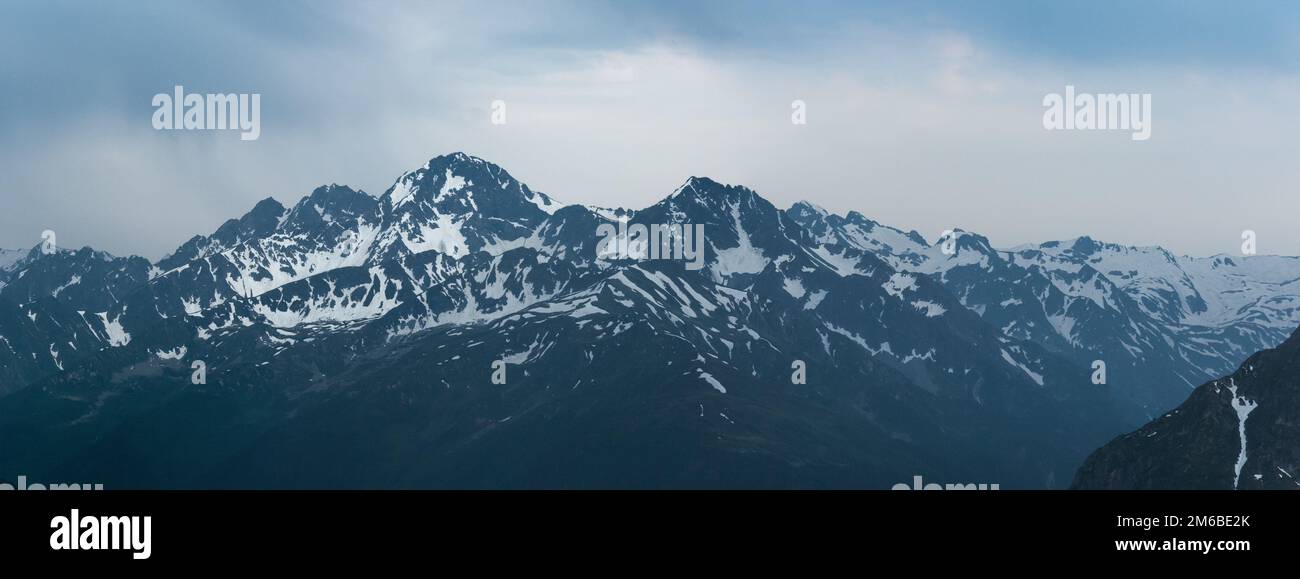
[[922, 115]]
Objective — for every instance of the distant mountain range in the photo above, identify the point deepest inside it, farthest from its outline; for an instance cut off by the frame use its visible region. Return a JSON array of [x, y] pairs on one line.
[[460, 331]]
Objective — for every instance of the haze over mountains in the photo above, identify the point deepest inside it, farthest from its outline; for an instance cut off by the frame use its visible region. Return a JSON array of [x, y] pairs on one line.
[[351, 341]]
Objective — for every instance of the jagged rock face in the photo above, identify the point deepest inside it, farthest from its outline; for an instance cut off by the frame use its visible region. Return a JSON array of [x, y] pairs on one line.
[[57, 309], [1235, 432], [352, 341], [1161, 324]]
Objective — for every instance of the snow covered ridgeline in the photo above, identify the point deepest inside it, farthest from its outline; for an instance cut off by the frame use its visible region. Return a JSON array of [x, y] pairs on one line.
[[1167, 322], [346, 258], [459, 266], [454, 205], [342, 257]]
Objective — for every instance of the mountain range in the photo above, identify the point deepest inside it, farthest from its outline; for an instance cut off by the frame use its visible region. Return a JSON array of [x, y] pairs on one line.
[[461, 330], [1234, 432]]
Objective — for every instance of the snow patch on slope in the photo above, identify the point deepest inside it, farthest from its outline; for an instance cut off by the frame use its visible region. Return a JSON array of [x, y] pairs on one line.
[[707, 377], [116, 334], [1243, 407], [744, 258]]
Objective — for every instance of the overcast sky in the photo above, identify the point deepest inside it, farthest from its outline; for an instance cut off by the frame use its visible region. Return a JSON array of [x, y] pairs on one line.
[[921, 115]]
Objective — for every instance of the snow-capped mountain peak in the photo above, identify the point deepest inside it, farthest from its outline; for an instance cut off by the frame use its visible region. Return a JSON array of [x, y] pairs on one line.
[[918, 346]]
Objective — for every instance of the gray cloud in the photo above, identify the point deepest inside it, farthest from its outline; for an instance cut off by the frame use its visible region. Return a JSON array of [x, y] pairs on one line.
[[922, 116]]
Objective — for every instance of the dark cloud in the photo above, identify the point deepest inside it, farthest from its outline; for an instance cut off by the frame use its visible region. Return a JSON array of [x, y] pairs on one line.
[[922, 114]]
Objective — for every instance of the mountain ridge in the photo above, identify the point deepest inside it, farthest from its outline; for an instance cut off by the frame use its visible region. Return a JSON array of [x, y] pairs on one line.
[[1233, 432], [338, 311]]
